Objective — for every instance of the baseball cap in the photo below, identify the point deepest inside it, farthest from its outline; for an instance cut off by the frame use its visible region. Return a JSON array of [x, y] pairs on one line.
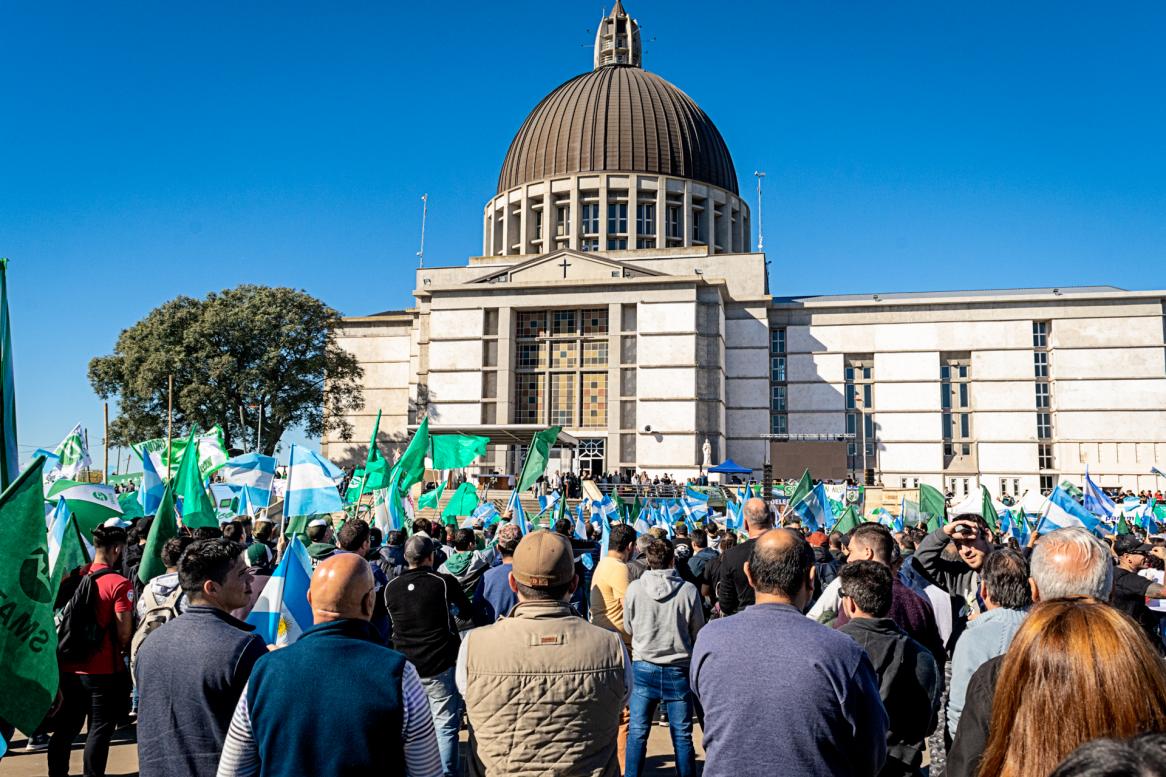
[[543, 559], [262, 519], [317, 522], [258, 554], [508, 532], [118, 522], [1128, 543]]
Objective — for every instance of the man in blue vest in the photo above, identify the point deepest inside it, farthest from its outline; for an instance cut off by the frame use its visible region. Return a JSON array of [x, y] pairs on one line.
[[336, 701]]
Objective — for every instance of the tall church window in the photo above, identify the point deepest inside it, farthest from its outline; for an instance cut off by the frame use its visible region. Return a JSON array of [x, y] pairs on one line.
[[862, 453], [672, 225], [563, 221], [955, 375], [646, 219], [778, 390], [560, 365], [1044, 405], [617, 218], [590, 218]]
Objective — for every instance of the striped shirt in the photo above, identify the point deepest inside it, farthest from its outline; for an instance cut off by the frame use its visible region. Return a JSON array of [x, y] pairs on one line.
[[241, 756]]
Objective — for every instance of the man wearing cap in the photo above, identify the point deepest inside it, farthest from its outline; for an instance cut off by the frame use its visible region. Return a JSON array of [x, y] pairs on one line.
[[493, 597], [320, 545], [1130, 590], [543, 688], [422, 606]]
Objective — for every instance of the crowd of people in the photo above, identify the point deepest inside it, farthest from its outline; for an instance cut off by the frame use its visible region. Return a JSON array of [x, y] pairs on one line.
[[781, 651]]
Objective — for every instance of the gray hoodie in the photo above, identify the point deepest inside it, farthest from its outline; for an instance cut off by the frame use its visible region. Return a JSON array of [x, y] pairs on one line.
[[663, 614]]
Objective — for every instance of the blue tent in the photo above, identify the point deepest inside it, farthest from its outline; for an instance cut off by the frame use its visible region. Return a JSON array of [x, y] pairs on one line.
[[730, 467]]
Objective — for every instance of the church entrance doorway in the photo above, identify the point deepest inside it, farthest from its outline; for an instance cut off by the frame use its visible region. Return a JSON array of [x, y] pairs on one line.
[[592, 457]]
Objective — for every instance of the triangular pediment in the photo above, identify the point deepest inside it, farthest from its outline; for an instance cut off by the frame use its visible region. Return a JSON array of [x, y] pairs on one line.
[[565, 265]]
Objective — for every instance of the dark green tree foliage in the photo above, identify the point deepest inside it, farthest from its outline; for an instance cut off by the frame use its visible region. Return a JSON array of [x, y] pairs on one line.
[[263, 349]]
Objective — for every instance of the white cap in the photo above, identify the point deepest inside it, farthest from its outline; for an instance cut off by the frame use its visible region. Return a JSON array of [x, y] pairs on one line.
[[118, 522], [262, 519], [317, 522]]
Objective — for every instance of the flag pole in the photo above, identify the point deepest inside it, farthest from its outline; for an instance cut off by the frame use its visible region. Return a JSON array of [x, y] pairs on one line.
[[105, 445], [169, 421]]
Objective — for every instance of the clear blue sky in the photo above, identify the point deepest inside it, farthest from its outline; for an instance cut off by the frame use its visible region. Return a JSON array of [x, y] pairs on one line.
[[149, 150]]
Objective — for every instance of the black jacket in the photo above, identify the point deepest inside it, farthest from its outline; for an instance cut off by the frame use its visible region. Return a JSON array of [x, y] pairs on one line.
[[910, 686], [422, 605], [971, 736], [733, 589]]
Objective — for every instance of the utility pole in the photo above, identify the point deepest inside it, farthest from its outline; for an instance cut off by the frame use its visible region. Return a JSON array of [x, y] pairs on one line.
[[424, 213], [105, 444], [169, 422], [760, 176]]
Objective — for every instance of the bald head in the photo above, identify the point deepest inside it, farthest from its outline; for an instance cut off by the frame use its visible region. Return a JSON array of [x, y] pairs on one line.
[[342, 587], [757, 516], [1070, 562], [780, 567]]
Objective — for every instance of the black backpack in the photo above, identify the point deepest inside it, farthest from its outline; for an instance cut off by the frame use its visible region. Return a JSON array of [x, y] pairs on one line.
[[78, 634]]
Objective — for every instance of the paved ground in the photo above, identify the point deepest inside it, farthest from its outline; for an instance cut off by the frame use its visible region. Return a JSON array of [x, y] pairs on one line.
[[123, 756]]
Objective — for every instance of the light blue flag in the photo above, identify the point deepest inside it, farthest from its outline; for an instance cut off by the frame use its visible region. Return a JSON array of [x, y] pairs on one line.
[[518, 515], [1153, 471], [1063, 511], [312, 484], [604, 538], [641, 525], [548, 502], [486, 512], [580, 523], [695, 510], [150, 494], [605, 508], [672, 513], [253, 474], [1096, 500], [282, 613], [814, 510], [692, 493], [734, 519]]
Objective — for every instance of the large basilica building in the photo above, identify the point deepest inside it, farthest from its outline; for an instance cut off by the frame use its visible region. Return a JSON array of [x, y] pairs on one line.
[[618, 295]]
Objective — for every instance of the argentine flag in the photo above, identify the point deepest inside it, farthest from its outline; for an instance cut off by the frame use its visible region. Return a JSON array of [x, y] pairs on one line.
[[58, 526], [1062, 511], [282, 613], [312, 484], [814, 509], [693, 494], [695, 510], [518, 515], [252, 474], [150, 495], [605, 508], [486, 512], [580, 523], [548, 502], [1096, 500]]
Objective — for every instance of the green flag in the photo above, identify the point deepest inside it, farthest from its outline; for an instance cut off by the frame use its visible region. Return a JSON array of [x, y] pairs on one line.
[[454, 451], [197, 508], [637, 508], [209, 447], [92, 503], [163, 529], [935, 522], [432, 497], [9, 453], [355, 487], [989, 510], [130, 506], [376, 469], [412, 461], [801, 490], [28, 639], [537, 457], [932, 502], [463, 502], [1122, 526], [848, 522]]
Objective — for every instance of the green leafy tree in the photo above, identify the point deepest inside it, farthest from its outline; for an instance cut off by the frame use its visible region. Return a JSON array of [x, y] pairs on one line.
[[265, 350]]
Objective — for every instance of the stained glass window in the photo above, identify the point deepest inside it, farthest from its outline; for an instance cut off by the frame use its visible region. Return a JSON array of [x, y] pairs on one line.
[[594, 399], [563, 399], [564, 354]]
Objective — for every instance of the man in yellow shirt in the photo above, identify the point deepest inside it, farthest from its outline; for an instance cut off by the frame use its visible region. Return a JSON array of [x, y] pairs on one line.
[[609, 585]]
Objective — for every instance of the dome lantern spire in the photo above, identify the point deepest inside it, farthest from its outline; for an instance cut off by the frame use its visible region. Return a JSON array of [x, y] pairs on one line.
[[617, 41]]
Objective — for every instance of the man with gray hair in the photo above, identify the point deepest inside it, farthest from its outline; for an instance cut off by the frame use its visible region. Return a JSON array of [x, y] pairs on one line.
[[423, 605], [1066, 562], [733, 589]]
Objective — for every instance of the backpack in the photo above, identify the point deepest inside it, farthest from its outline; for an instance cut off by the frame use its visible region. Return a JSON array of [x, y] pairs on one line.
[[155, 615], [78, 635]]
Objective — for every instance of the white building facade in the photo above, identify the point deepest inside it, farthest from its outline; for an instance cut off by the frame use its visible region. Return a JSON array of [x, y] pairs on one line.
[[618, 296]]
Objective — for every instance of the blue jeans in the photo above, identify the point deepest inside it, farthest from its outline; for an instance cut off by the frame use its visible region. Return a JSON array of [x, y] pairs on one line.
[[446, 705], [655, 684]]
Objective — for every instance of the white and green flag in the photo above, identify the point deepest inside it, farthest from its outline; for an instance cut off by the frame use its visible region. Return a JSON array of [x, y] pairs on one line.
[[72, 457], [92, 503], [212, 452]]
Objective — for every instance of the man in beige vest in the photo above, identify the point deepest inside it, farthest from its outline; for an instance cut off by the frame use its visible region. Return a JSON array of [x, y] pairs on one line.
[[543, 688]]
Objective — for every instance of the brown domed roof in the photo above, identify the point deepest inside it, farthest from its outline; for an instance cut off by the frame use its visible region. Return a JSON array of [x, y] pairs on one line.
[[618, 118]]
